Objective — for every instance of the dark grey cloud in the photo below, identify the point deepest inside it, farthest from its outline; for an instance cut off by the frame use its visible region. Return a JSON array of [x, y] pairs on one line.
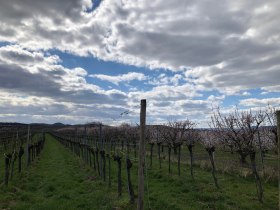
[[162, 103], [181, 50], [20, 57], [15, 78], [32, 73], [36, 109], [195, 105], [17, 10]]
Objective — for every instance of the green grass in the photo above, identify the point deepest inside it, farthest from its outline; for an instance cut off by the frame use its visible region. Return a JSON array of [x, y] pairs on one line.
[[229, 163], [60, 180], [57, 180]]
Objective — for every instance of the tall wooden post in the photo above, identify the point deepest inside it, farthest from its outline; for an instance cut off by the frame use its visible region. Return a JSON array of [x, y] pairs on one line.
[[278, 134], [27, 145], [141, 157]]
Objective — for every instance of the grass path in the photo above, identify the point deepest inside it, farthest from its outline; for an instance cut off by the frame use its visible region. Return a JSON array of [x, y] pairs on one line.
[[58, 180]]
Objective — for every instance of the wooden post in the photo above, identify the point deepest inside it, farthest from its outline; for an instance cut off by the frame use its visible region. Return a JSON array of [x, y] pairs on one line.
[[141, 157], [278, 134], [27, 146]]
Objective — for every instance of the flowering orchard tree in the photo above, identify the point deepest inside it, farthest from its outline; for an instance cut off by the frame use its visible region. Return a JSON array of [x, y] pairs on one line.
[[172, 134], [210, 141], [238, 130], [271, 130], [155, 137], [191, 136]]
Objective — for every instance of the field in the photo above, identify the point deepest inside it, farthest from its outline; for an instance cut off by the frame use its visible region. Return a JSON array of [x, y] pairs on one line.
[[58, 179]]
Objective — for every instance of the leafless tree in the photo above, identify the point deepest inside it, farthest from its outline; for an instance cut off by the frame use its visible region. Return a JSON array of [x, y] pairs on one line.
[[190, 136], [239, 129], [155, 138], [271, 124], [132, 135], [210, 141], [172, 134]]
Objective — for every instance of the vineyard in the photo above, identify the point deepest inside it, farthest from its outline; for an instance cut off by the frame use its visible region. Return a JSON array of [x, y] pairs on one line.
[[231, 165]]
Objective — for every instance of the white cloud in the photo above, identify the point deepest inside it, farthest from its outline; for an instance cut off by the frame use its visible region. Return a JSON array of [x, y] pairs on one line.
[[255, 102], [246, 93], [231, 51], [35, 84], [274, 88], [123, 78]]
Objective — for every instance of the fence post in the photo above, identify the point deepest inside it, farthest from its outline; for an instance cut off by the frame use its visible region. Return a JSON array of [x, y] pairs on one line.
[[278, 134], [141, 157]]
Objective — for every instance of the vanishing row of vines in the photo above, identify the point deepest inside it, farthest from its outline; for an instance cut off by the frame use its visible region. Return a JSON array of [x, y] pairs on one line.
[[245, 135]]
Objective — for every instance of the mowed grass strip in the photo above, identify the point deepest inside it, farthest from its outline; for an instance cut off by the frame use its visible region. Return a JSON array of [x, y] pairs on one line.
[[60, 180], [57, 180]]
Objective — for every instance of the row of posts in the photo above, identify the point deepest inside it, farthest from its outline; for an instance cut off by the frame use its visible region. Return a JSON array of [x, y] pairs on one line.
[[96, 155], [32, 151]]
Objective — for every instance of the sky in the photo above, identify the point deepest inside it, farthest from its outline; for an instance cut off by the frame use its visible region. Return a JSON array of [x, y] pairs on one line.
[[79, 61]]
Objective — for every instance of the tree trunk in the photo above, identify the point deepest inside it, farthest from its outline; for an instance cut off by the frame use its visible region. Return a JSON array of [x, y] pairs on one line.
[[20, 154], [242, 157], [190, 147], [33, 152], [14, 158], [127, 147], [83, 152], [175, 150], [135, 152], [151, 154], [261, 152], [104, 165], [130, 188], [118, 159], [7, 168], [89, 155], [94, 161], [179, 160], [210, 153], [257, 178], [29, 158], [169, 161], [101, 164], [159, 158], [109, 170], [97, 161]]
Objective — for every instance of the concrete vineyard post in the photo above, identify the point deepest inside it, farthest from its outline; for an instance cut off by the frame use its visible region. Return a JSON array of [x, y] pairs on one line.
[[141, 157]]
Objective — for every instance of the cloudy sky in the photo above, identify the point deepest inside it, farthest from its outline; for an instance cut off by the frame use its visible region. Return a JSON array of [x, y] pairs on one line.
[[76, 61]]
